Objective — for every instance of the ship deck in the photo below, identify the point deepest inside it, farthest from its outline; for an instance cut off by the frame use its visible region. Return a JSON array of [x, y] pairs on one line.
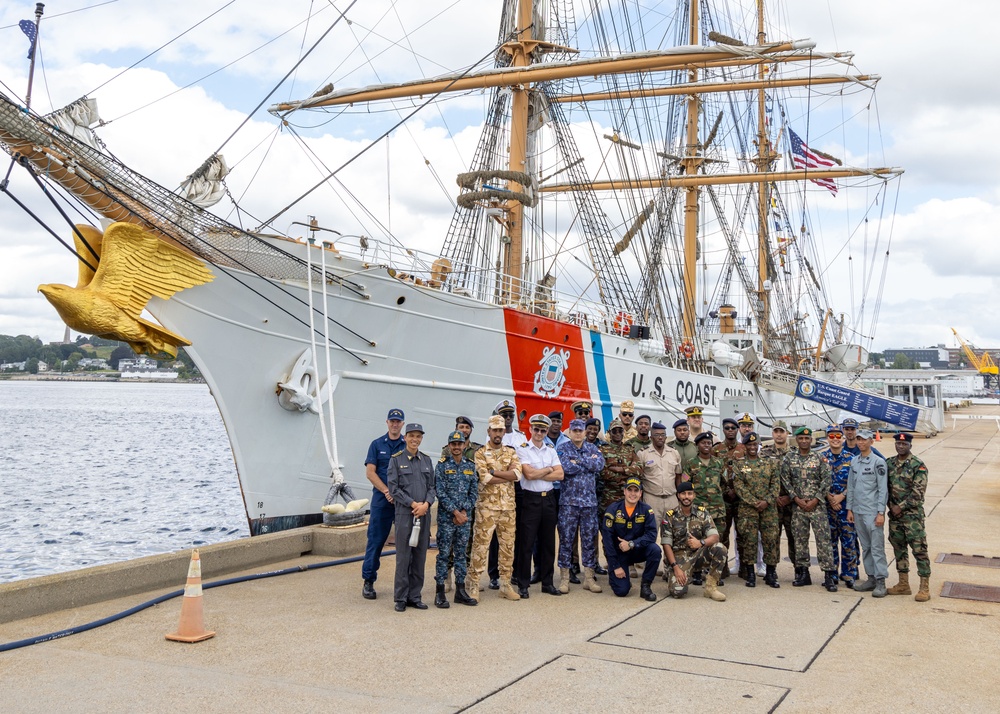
[[309, 642]]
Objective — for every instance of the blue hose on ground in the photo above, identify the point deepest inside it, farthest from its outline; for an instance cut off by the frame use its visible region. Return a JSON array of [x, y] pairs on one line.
[[168, 596]]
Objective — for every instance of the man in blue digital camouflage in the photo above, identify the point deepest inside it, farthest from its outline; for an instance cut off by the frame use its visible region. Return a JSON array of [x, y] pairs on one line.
[[457, 490], [843, 537]]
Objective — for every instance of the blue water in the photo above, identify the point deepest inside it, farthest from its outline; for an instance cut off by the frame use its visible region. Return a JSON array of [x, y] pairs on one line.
[[96, 473]]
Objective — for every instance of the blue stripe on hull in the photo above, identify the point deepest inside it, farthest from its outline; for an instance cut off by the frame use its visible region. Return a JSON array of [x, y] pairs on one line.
[[603, 393]]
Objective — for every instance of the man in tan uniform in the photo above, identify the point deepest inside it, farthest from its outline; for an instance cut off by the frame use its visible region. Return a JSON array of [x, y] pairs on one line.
[[498, 468], [661, 473]]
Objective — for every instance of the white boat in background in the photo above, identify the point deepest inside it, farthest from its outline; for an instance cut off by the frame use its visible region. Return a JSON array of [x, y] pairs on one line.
[[565, 274]]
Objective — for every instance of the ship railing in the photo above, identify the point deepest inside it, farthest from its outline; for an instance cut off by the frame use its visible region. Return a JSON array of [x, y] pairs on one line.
[[488, 285]]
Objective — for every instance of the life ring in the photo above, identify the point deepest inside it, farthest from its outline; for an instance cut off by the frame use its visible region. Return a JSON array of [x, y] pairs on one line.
[[785, 359], [622, 323], [687, 349]]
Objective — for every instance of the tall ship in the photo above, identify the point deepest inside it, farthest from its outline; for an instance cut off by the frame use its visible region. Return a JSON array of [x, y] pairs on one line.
[[635, 222]]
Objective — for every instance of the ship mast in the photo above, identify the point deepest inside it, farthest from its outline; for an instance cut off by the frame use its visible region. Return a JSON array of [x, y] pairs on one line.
[[691, 162], [765, 158], [520, 51]]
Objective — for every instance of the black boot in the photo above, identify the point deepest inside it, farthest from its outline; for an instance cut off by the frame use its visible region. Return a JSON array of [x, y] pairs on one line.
[[697, 578], [646, 592], [368, 590], [830, 581], [751, 578], [574, 574], [771, 578], [462, 597], [800, 577], [743, 571], [808, 576], [600, 570], [439, 598]]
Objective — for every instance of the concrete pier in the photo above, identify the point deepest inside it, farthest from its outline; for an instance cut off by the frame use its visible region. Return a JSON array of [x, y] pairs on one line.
[[309, 642]]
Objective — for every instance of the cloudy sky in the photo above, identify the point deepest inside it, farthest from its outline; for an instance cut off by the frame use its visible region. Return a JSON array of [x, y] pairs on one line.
[[937, 108]]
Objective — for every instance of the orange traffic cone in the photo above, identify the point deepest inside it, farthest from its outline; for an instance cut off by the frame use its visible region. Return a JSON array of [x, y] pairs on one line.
[[192, 625], [878, 435]]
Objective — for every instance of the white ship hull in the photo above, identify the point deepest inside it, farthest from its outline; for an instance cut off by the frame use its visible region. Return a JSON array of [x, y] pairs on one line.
[[436, 355]]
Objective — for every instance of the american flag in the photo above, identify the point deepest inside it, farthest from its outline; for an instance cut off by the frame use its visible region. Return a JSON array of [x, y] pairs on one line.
[[805, 158], [28, 28]]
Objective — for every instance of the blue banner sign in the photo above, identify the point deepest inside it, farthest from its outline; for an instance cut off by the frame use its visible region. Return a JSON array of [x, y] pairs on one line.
[[870, 405]]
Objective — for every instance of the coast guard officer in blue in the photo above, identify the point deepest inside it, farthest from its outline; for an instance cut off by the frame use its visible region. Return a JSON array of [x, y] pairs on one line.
[[629, 529], [383, 512]]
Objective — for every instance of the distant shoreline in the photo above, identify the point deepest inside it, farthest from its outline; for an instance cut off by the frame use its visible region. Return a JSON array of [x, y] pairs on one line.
[[85, 377]]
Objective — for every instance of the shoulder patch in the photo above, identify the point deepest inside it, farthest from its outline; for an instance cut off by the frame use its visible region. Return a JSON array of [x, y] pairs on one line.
[[670, 512], [399, 452], [701, 508], [442, 459]]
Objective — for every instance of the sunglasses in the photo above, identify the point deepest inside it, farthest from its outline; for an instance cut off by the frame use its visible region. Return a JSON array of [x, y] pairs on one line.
[[727, 427], [835, 436], [539, 428], [628, 413], [616, 430]]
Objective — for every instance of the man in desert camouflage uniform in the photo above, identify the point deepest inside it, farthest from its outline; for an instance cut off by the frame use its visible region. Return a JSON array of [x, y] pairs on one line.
[[691, 543], [498, 469], [907, 485], [756, 483]]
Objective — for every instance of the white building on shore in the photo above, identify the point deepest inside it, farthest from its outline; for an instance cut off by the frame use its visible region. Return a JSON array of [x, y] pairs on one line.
[[145, 368]]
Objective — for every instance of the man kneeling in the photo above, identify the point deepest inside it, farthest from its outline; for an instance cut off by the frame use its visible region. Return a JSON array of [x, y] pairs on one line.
[[629, 530], [691, 542]]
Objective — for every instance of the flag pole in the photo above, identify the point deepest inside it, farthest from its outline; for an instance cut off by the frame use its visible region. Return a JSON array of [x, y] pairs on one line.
[[39, 9]]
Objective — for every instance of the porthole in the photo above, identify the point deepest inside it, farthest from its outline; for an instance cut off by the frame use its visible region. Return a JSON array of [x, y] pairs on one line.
[[534, 330], [400, 300], [523, 415]]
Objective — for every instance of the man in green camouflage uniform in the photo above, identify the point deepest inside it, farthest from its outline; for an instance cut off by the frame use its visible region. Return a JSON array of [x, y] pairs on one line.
[[778, 449], [690, 543], [907, 484], [806, 477], [708, 475], [756, 483], [642, 439], [620, 463], [730, 450]]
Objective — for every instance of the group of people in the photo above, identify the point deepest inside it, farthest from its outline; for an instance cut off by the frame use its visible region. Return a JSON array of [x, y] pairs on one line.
[[670, 506]]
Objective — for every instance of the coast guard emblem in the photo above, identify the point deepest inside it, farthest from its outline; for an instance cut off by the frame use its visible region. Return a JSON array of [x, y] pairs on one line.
[[549, 379]]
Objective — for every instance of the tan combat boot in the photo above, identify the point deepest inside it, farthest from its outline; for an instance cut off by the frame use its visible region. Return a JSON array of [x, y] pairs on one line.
[[590, 581], [507, 591], [712, 589], [564, 580], [924, 593], [472, 588], [902, 587]]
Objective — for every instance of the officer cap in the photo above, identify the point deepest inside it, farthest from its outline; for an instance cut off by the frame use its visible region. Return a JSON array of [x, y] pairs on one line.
[[577, 425], [865, 434], [395, 415], [456, 436], [747, 418], [780, 424], [496, 422], [728, 420], [644, 416], [581, 405], [556, 415], [505, 406], [616, 424], [901, 436], [834, 429], [693, 411], [680, 422], [593, 421], [684, 486], [751, 438], [659, 425], [464, 420], [633, 481], [849, 422], [803, 431], [704, 435], [627, 407], [540, 420], [413, 426]]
